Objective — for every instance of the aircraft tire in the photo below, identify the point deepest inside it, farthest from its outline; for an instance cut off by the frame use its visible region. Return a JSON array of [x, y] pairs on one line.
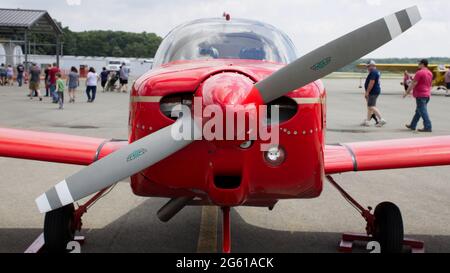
[[389, 230], [58, 230]]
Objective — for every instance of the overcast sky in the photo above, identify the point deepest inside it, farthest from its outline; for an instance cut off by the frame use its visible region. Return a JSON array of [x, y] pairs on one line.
[[310, 23]]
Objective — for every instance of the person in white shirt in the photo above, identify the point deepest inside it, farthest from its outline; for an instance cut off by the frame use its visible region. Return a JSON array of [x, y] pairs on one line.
[[124, 74], [91, 85]]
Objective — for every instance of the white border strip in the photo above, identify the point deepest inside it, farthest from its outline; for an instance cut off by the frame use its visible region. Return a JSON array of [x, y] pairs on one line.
[[155, 99], [37, 245], [308, 100]]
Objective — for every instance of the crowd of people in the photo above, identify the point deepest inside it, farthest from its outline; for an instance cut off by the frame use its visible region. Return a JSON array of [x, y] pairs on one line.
[[55, 86], [6, 75], [420, 86]]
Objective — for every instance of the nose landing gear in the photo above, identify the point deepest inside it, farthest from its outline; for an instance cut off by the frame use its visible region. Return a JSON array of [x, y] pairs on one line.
[[384, 226], [226, 231], [388, 228], [59, 229], [61, 225]]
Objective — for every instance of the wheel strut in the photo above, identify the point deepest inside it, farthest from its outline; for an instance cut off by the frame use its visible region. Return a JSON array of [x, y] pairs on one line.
[[82, 209], [348, 239], [38, 245], [226, 230], [365, 213]]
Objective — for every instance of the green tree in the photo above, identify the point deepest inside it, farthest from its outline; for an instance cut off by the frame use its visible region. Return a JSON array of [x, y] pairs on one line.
[[100, 43]]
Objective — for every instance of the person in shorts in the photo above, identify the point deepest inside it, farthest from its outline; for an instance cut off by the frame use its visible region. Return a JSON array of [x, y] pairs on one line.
[[35, 79], [104, 78], [373, 91], [10, 75], [407, 80], [124, 74], [73, 81]]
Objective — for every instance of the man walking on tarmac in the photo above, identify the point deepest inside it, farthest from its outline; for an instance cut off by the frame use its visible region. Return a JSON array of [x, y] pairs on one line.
[[52, 81], [373, 91], [421, 88]]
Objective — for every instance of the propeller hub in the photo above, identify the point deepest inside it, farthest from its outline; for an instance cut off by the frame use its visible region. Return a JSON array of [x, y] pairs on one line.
[[226, 90], [231, 101]]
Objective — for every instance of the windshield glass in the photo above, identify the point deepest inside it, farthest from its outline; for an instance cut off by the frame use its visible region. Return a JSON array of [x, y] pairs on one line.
[[220, 39]]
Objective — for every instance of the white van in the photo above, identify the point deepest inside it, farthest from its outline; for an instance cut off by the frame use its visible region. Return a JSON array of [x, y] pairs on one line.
[[115, 64]]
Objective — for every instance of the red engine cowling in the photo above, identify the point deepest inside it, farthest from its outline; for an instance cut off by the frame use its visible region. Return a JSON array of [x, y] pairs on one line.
[[231, 173]]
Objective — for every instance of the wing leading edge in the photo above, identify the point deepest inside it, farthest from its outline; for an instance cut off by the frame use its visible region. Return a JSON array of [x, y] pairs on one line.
[[58, 148], [387, 154], [341, 158]]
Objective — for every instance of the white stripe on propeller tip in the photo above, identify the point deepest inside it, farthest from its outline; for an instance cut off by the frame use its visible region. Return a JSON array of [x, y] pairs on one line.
[[57, 196], [65, 197], [393, 25], [122, 164], [43, 204], [337, 54], [414, 15], [403, 20]]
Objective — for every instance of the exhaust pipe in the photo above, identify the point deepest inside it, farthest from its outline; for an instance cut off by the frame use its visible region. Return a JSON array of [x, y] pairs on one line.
[[172, 208]]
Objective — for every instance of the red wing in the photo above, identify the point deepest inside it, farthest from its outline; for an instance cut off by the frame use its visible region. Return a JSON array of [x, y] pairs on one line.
[[387, 154], [53, 147]]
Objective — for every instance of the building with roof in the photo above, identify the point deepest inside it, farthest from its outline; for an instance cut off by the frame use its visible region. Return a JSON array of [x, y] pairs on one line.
[[16, 26]]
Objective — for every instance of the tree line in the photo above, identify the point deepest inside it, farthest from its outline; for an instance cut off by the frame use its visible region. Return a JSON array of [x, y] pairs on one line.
[[101, 43], [107, 43]]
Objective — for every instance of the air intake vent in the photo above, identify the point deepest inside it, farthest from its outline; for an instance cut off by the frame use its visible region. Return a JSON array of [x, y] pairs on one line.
[[227, 182], [168, 103], [288, 109]]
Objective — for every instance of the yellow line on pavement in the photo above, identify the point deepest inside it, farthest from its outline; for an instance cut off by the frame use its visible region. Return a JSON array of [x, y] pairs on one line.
[[207, 240]]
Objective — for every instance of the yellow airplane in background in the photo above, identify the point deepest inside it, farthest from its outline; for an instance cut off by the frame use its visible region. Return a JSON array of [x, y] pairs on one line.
[[437, 70]]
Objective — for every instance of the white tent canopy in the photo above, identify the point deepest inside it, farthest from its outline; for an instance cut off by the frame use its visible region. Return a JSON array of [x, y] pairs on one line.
[[2, 54]]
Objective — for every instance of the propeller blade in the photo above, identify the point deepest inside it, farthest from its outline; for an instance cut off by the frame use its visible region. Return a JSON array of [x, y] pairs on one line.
[[337, 54], [118, 166]]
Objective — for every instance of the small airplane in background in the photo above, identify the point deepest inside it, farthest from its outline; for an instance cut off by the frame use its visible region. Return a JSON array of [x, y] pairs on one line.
[[438, 71]]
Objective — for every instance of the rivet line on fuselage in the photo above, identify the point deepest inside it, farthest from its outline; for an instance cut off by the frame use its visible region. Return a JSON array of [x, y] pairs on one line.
[[299, 101]]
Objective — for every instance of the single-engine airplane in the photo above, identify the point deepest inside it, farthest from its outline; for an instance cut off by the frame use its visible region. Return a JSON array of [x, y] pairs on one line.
[[438, 70], [233, 64]]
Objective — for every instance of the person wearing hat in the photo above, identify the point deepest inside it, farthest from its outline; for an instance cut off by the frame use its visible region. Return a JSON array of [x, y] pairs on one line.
[[373, 91], [421, 89]]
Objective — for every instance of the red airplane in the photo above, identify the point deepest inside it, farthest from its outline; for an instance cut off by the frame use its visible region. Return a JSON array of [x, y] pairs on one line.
[[229, 64]]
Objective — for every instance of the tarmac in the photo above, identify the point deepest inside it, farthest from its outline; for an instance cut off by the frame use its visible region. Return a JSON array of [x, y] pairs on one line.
[[122, 222]]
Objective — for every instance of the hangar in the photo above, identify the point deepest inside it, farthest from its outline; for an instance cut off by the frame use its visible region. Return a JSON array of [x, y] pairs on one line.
[[17, 26]]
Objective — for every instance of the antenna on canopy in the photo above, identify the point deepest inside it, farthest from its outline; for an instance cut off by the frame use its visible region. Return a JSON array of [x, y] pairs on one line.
[[227, 16]]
